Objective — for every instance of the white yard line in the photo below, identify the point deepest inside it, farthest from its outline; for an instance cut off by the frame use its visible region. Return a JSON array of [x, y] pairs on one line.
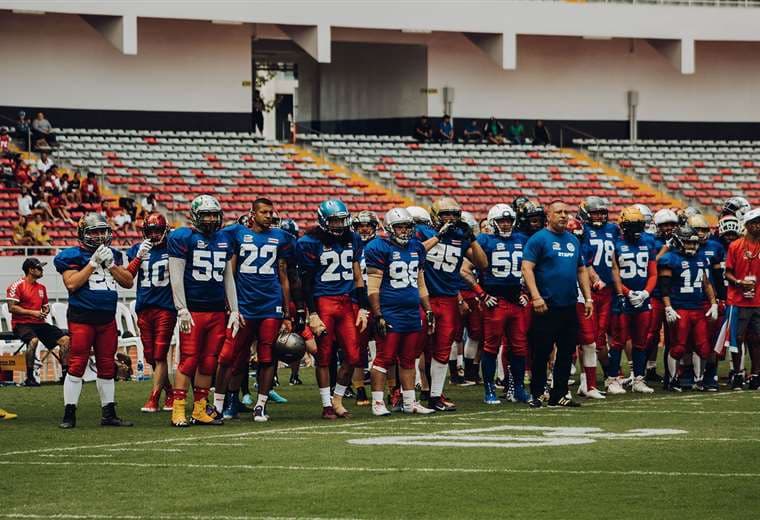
[[184, 516]]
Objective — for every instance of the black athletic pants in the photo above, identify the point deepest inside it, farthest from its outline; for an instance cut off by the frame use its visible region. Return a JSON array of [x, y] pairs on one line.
[[559, 325]]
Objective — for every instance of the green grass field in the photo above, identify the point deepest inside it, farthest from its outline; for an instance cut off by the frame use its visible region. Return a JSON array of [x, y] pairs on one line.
[[662, 456]]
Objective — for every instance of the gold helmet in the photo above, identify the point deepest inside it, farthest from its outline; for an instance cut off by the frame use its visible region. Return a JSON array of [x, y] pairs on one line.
[[444, 206], [699, 224], [632, 222]]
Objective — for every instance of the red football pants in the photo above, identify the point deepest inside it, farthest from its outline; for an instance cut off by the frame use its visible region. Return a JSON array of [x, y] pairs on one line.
[[337, 313], [405, 347], [103, 339], [508, 322], [689, 331], [446, 313], [473, 321], [235, 350], [363, 337], [602, 315], [656, 322], [586, 326], [156, 329], [199, 348], [630, 326]]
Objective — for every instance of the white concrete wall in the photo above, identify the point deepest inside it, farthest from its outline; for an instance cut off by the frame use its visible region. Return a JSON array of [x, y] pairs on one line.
[[61, 61]]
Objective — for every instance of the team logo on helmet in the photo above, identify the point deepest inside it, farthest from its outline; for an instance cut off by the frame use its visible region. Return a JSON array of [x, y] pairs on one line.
[[206, 214], [155, 228], [445, 209]]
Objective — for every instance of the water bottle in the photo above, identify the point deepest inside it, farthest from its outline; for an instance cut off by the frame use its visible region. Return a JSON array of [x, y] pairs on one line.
[[140, 370]]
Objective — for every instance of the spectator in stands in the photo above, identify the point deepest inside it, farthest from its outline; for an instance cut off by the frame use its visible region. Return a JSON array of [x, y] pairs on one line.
[[494, 131], [23, 127], [28, 303], [75, 189], [7, 177], [21, 235], [25, 202], [42, 132], [21, 171], [38, 231], [90, 189], [57, 203], [258, 114], [121, 219], [5, 142], [517, 132], [423, 131], [42, 206], [446, 129], [541, 135], [149, 203], [472, 133], [44, 163]]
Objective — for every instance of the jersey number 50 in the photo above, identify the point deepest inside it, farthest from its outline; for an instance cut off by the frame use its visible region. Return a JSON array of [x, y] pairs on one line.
[[502, 266]]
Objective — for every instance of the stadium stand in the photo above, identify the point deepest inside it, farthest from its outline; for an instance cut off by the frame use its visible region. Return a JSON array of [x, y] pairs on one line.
[[702, 173]]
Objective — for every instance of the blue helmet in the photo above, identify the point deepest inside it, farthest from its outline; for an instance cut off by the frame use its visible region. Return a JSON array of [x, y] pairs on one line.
[[333, 217], [290, 226]]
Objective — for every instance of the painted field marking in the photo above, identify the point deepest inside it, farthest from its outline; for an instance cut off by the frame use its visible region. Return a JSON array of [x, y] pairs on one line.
[[160, 516]]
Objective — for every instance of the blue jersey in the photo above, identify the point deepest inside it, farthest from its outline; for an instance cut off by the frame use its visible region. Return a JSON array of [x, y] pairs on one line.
[[98, 294], [633, 260], [399, 294], [330, 266], [153, 285], [503, 276], [444, 260], [688, 274], [601, 244], [205, 259], [557, 257], [715, 254], [259, 290]]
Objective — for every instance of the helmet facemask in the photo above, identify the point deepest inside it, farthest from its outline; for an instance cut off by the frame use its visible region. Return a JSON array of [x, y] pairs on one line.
[[502, 226]]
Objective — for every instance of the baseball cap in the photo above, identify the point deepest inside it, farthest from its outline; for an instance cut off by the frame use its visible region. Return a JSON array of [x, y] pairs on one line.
[[30, 263]]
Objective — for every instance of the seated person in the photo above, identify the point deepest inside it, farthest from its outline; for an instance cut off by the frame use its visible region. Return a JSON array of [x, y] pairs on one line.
[[494, 131], [90, 189], [446, 130], [57, 203], [541, 134], [23, 127], [21, 235], [517, 132], [42, 132], [472, 133], [423, 132]]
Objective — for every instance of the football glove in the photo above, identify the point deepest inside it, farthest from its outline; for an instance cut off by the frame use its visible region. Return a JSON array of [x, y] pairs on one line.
[[144, 250], [445, 228], [97, 257], [316, 325], [185, 320], [381, 327], [637, 298], [671, 316], [234, 322], [712, 312], [107, 258]]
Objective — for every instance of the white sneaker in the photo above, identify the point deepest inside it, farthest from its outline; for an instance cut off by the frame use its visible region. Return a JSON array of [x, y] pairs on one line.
[[640, 386], [419, 409], [613, 386], [594, 393], [573, 370], [626, 382], [379, 409]]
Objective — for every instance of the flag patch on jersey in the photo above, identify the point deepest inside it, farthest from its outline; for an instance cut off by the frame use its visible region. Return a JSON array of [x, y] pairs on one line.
[[273, 241], [222, 244], [247, 238], [396, 255]]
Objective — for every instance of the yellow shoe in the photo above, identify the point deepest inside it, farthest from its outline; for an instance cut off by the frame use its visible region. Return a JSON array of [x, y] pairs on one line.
[[178, 414], [5, 415], [201, 415]]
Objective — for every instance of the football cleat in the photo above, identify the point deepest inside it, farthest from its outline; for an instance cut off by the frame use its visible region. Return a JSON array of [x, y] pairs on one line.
[[109, 417], [259, 414], [295, 380], [613, 386], [247, 400], [448, 401], [230, 410], [205, 415], [169, 401], [151, 405], [674, 385], [563, 402], [5, 415], [328, 412], [396, 400], [754, 382], [489, 396], [276, 398], [520, 395], [737, 381], [31, 382], [439, 405], [534, 403], [418, 409], [594, 393], [69, 417], [651, 376], [379, 409], [178, 414], [361, 397], [640, 386]]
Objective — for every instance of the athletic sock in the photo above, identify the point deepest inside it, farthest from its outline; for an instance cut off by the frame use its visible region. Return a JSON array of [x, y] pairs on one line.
[[262, 400], [377, 396], [467, 367], [517, 368], [696, 362], [650, 364], [437, 378], [590, 373], [488, 362], [408, 398], [324, 394], [106, 390], [179, 394], [672, 367], [72, 387], [199, 393], [340, 390], [453, 368], [470, 348], [639, 361], [613, 365]]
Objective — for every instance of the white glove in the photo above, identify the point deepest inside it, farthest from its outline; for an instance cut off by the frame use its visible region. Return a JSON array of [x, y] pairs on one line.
[[637, 298], [144, 250], [712, 313], [234, 322], [671, 316], [445, 228], [598, 285], [107, 258], [524, 300], [97, 257], [316, 324], [362, 318], [185, 320], [490, 301]]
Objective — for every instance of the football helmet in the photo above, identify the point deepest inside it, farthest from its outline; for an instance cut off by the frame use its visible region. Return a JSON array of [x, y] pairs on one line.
[[445, 209], [518, 203], [93, 231], [469, 219], [649, 226], [289, 225], [685, 213], [575, 226], [594, 211], [333, 217], [366, 218], [276, 220], [751, 216], [736, 206], [665, 216], [420, 215], [155, 228], [700, 225], [497, 216], [289, 347], [729, 224], [399, 225], [532, 217], [686, 240], [206, 214], [632, 223]]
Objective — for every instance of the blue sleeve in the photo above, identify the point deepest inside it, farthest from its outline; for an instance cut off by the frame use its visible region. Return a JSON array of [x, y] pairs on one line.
[[287, 246], [67, 260], [665, 260], [132, 252], [118, 256], [421, 251], [374, 255], [178, 243], [358, 246], [306, 255], [424, 233], [483, 241], [533, 249]]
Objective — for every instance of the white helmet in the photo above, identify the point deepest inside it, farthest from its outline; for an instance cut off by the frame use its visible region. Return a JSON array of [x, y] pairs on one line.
[[737, 206], [665, 216], [649, 225], [420, 215], [395, 217], [729, 224], [499, 212], [469, 219], [206, 214], [751, 215]]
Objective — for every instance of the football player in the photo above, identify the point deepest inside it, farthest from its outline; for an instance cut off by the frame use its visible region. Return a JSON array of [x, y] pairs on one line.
[[397, 293], [600, 237], [729, 230], [156, 315], [203, 285], [736, 206], [447, 244], [260, 254], [505, 318], [531, 217], [327, 256], [650, 229], [684, 281], [472, 322], [91, 273], [634, 271], [420, 215]]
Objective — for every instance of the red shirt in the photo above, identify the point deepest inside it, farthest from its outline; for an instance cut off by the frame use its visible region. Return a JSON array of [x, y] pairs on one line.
[[31, 296], [743, 259]]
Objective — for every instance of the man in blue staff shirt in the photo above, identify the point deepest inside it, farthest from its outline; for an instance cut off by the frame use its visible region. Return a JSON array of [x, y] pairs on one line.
[[553, 268]]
